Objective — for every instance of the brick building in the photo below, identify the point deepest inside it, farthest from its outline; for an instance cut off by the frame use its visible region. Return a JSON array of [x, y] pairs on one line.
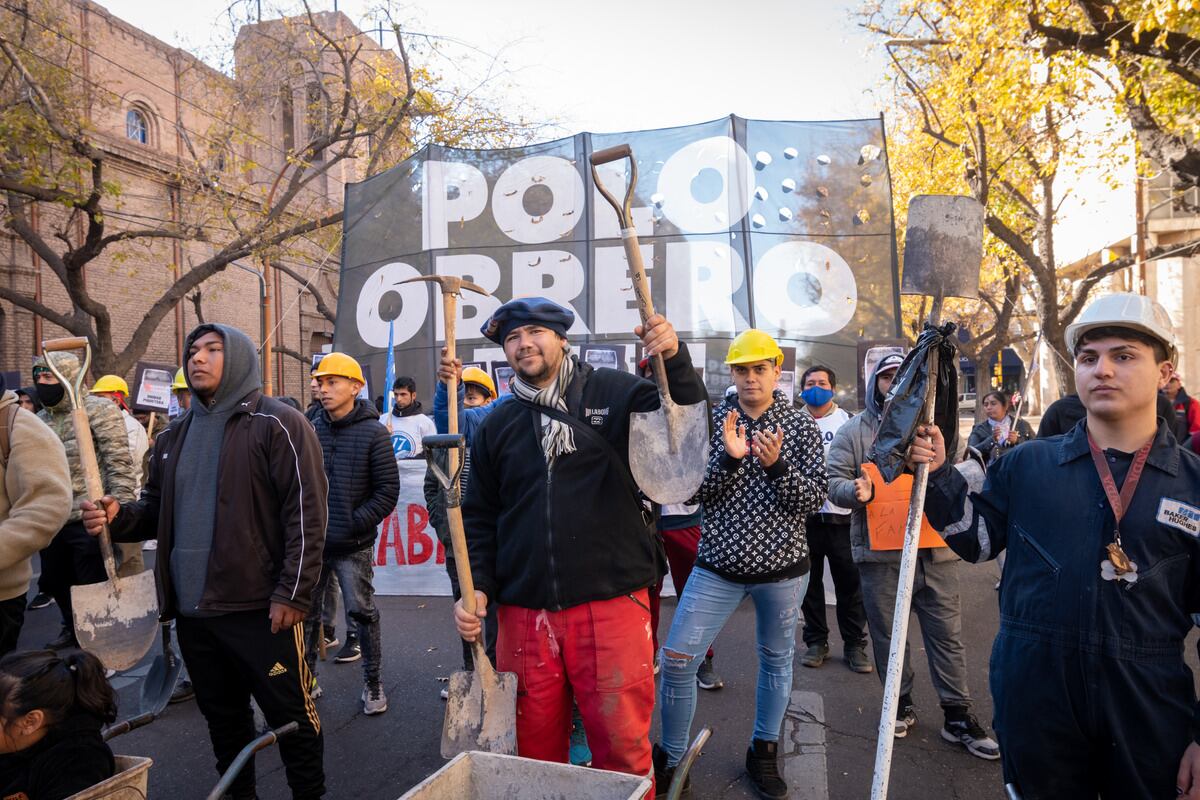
[[150, 107]]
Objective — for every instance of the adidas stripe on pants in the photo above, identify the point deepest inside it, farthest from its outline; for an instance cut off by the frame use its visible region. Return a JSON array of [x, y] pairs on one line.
[[232, 657]]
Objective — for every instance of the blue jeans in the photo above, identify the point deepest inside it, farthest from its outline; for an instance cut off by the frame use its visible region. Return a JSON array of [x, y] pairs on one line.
[[355, 572], [707, 602]]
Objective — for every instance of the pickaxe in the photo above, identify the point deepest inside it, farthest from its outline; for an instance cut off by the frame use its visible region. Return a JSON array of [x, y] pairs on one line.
[[481, 707]]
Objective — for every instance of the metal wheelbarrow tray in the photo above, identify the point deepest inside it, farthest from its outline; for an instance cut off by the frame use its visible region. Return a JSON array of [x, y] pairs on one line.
[[476, 775]]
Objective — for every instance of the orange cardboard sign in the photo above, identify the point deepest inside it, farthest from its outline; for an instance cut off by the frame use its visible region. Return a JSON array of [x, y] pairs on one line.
[[887, 514]]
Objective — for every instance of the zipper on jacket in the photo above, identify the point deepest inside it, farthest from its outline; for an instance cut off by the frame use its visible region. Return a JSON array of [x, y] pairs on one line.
[[550, 536]]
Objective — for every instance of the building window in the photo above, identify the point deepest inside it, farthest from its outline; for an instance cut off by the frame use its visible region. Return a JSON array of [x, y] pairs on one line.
[[136, 127]]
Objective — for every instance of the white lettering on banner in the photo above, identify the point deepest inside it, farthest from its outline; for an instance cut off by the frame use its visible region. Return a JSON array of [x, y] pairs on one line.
[[409, 559], [732, 166], [616, 303], [556, 175], [414, 304], [554, 274], [478, 269], [804, 288], [606, 225], [702, 277], [451, 191]]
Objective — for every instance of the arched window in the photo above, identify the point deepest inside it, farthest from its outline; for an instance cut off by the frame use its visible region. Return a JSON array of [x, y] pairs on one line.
[[136, 127]]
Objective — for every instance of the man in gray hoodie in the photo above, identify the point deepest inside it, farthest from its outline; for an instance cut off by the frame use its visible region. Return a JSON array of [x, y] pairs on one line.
[[935, 589], [236, 499]]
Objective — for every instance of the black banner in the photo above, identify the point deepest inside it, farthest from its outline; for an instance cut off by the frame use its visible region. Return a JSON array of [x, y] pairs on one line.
[[782, 226]]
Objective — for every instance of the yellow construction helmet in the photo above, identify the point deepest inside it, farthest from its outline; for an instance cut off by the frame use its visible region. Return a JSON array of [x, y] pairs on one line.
[[341, 365], [111, 383], [180, 382], [480, 378], [753, 345]]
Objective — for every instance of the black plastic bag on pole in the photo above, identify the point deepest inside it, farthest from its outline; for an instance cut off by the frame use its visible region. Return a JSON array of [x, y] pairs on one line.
[[902, 410]]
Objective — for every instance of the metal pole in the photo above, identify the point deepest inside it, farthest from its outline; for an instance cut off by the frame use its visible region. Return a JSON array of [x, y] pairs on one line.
[[262, 313], [908, 566]]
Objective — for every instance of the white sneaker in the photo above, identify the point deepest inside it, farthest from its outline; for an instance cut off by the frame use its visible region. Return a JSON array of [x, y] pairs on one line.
[[374, 700], [445, 693], [150, 544]]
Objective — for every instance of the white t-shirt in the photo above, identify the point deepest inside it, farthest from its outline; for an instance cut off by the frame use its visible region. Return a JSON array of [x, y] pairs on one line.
[[829, 425], [407, 433]]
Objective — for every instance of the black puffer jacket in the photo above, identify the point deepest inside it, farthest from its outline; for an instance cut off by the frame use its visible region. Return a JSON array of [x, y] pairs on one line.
[[363, 480]]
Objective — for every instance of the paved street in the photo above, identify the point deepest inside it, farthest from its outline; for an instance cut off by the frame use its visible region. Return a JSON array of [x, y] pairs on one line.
[[380, 758]]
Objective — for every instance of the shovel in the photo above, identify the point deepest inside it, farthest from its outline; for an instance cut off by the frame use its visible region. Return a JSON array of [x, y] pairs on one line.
[[481, 706], [162, 678], [668, 447], [115, 620], [943, 250]]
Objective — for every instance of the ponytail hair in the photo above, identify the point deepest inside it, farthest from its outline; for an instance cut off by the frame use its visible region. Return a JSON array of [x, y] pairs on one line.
[[60, 684]]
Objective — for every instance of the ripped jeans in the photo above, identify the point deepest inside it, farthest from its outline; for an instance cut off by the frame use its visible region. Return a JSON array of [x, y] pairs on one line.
[[707, 602]]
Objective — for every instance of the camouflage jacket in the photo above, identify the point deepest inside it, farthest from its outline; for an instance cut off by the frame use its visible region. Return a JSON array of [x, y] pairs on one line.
[[108, 432]]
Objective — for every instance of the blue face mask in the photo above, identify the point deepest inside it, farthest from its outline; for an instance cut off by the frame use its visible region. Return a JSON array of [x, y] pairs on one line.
[[816, 396]]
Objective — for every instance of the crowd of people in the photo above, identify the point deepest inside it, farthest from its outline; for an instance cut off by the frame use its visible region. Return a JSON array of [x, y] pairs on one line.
[[264, 515]]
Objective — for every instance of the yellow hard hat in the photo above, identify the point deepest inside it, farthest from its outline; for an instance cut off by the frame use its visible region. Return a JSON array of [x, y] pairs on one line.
[[111, 383], [341, 365], [180, 382], [753, 345], [480, 378]]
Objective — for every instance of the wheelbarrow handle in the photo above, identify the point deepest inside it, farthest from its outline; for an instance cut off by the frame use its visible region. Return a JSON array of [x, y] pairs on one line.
[[70, 343], [243, 757], [125, 726], [675, 791]]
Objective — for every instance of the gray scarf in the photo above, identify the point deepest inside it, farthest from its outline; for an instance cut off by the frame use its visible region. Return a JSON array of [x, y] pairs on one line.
[[557, 437]]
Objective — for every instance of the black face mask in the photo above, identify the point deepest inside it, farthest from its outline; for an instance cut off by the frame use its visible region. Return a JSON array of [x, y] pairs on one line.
[[51, 394]]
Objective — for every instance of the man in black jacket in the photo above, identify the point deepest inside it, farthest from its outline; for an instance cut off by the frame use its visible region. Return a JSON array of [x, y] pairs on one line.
[[560, 540], [236, 500], [363, 487]]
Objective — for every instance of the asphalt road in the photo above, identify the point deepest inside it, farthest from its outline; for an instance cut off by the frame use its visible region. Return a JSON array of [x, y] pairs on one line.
[[379, 758]]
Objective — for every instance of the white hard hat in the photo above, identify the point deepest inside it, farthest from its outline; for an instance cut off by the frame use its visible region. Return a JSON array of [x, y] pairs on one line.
[[1125, 310]]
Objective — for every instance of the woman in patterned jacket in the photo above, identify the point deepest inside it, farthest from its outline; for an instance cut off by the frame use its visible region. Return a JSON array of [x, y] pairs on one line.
[[766, 474]]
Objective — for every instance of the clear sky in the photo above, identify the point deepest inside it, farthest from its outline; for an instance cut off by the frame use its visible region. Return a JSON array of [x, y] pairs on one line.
[[617, 65]]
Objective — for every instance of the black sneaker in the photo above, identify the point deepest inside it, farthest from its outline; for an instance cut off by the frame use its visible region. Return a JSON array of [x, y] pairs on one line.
[[707, 677], [65, 641], [906, 717], [349, 652], [40, 600], [183, 692], [663, 775], [762, 765], [967, 731]]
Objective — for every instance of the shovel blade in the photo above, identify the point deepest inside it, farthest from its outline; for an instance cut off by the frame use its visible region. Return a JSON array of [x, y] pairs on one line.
[[668, 450], [160, 681], [117, 621], [481, 713]]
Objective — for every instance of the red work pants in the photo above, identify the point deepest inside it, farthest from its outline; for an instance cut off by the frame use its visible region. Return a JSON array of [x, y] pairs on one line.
[[600, 654], [681, 545]]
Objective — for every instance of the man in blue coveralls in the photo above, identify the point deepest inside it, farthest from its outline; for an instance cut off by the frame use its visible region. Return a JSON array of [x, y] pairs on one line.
[[1092, 695]]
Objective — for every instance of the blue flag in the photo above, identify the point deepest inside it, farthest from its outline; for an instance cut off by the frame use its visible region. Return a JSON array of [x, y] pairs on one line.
[[389, 374]]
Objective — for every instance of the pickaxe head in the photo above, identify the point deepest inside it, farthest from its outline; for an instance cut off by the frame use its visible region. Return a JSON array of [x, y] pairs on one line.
[[450, 284]]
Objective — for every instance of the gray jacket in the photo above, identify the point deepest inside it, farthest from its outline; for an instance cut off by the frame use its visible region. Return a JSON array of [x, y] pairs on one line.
[[847, 452]]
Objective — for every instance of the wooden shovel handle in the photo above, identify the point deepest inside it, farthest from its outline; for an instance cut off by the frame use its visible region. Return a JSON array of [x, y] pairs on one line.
[[458, 534], [91, 479], [641, 288], [611, 154], [71, 343]]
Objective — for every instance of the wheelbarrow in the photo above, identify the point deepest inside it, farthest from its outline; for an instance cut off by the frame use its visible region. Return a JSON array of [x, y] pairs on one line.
[[475, 775], [132, 776]]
